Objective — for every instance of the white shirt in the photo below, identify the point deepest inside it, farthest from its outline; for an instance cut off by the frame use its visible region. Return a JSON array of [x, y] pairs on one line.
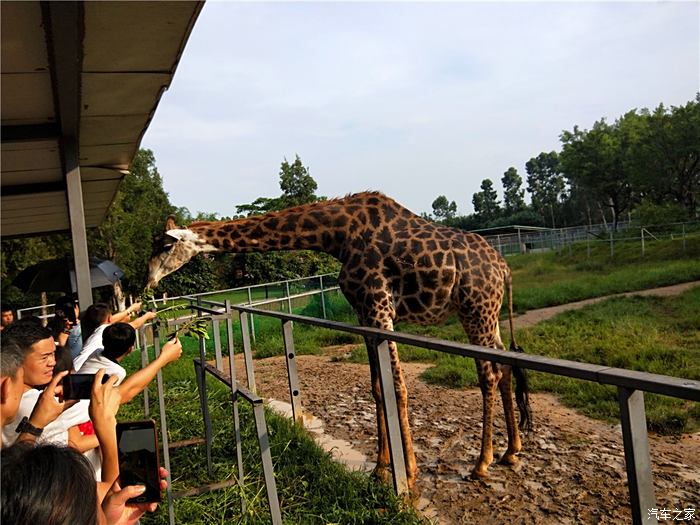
[[96, 361], [93, 343], [55, 432]]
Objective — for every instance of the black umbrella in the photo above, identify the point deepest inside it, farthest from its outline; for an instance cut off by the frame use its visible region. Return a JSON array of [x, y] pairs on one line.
[[57, 275]]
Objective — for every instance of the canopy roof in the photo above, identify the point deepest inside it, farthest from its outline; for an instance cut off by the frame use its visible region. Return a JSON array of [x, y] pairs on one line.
[[89, 74]]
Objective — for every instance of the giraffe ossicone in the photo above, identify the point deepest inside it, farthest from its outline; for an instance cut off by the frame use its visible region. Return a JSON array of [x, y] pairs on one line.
[[395, 266]]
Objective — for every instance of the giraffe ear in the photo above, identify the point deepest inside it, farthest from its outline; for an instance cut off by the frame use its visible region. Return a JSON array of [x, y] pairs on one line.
[[170, 223]]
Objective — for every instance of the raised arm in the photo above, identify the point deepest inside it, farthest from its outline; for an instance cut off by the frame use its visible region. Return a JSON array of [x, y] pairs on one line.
[[136, 382], [123, 317], [104, 404]]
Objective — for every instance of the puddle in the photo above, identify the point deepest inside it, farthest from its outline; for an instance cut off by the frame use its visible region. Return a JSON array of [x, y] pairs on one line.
[[339, 449]]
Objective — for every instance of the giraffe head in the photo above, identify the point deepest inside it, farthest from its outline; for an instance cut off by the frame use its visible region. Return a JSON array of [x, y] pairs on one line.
[[172, 249]]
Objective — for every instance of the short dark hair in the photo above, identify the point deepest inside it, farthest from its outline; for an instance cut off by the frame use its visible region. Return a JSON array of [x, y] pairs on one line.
[[66, 305], [26, 332], [11, 357], [47, 484], [117, 339], [5, 308], [95, 315]]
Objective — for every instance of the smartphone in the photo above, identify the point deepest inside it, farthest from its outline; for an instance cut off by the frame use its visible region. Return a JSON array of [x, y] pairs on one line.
[[79, 386], [138, 458]]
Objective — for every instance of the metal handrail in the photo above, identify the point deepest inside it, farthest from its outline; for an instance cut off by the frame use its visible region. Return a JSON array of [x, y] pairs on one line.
[[631, 386]]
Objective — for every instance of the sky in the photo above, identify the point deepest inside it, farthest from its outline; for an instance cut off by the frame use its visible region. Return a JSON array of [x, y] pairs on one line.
[[413, 99]]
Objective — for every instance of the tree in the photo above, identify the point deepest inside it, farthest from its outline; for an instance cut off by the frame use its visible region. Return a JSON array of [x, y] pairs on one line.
[[545, 184], [297, 185], [138, 213], [513, 196], [486, 204], [669, 156], [601, 161], [443, 209]]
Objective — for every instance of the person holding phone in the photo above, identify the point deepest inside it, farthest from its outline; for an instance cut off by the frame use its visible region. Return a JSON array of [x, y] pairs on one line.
[[38, 416], [66, 325], [54, 484]]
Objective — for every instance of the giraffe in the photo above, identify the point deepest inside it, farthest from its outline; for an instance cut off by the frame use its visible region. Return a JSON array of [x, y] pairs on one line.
[[395, 266]]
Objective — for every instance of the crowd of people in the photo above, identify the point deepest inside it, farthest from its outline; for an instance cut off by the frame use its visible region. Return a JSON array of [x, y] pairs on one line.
[[59, 459]]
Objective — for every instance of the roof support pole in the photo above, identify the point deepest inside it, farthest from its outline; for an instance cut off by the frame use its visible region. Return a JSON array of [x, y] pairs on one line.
[[78, 232], [65, 23]]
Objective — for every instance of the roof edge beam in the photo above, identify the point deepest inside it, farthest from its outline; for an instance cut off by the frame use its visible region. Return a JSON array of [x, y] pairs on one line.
[[30, 132]]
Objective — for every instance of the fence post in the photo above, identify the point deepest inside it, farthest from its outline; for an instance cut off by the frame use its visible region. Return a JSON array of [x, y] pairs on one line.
[[683, 226], [637, 460], [144, 364], [642, 242], [202, 382], [247, 352], [323, 299], [391, 413], [612, 245], [234, 400], [289, 300], [164, 428], [292, 375], [252, 321]]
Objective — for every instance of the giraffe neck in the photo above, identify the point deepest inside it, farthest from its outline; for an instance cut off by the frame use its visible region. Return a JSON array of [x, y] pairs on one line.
[[322, 226]]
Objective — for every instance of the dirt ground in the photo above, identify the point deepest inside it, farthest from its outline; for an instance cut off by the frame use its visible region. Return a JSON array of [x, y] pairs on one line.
[[571, 470]]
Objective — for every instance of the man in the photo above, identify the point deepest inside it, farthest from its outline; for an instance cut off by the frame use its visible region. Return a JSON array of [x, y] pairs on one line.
[[37, 346], [118, 341], [6, 316], [12, 389], [11, 380]]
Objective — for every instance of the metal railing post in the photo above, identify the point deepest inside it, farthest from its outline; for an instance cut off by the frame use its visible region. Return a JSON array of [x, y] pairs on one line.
[[293, 377], [268, 469], [640, 479], [252, 319], [217, 344], [164, 429], [247, 353], [234, 401], [289, 298], [144, 364], [202, 384], [323, 298], [391, 413]]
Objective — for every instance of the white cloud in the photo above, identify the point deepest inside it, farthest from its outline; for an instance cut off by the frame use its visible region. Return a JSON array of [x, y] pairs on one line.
[[413, 99]]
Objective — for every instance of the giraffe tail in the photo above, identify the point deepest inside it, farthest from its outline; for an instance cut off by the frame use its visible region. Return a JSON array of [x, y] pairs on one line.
[[522, 394]]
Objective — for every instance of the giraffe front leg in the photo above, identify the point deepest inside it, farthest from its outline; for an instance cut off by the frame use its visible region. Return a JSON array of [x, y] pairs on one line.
[[488, 381], [402, 405], [514, 445]]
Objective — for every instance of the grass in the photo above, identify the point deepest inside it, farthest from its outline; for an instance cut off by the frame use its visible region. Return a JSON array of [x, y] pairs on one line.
[[548, 279], [312, 488]]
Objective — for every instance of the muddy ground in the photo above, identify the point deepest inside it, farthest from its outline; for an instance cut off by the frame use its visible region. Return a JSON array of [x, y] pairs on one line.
[[571, 470]]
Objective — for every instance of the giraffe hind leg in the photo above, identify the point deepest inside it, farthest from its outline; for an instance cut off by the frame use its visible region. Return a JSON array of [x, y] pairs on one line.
[[514, 445]]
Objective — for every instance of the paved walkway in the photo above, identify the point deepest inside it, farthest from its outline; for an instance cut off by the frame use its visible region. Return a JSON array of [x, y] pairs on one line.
[[533, 317]]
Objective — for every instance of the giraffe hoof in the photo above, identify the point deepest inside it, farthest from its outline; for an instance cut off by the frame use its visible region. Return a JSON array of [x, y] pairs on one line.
[[509, 459], [480, 472], [382, 473]]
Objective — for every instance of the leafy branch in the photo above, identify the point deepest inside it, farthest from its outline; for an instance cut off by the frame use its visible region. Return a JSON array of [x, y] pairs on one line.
[[196, 327]]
